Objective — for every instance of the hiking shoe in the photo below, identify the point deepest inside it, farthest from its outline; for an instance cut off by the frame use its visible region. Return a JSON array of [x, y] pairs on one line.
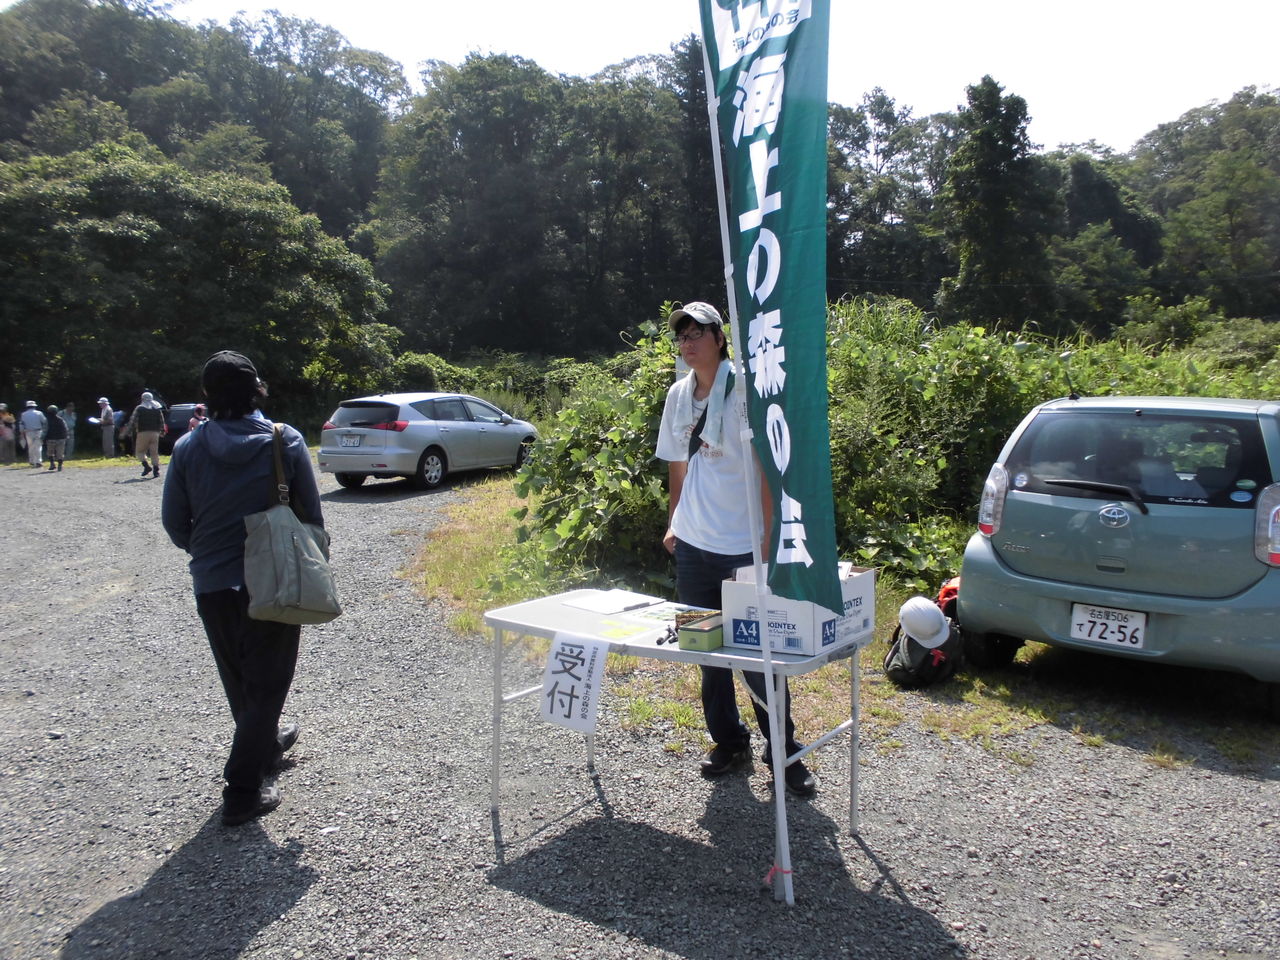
[[798, 777], [285, 739], [722, 760], [145, 469], [287, 736], [268, 800]]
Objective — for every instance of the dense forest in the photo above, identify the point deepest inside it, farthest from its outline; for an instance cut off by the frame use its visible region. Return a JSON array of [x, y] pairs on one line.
[[168, 190]]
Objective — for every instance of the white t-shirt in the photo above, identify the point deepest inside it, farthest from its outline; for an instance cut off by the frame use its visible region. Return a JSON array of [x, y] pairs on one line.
[[713, 510]]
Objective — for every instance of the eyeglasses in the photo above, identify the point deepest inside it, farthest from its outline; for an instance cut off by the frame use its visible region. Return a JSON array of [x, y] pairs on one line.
[[694, 333]]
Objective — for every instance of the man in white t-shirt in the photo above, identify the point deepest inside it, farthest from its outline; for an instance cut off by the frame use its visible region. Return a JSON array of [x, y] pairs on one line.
[[709, 530]]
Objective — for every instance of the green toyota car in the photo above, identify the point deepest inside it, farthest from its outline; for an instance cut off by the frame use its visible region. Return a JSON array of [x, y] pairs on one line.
[[1144, 527]]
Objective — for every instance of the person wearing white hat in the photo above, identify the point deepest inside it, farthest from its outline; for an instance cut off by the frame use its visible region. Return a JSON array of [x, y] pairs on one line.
[[709, 530], [146, 424], [107, 421], [33, 426]]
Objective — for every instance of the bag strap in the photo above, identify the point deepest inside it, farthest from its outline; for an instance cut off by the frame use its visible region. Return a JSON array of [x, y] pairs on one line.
[[695, 438], [280, 483]]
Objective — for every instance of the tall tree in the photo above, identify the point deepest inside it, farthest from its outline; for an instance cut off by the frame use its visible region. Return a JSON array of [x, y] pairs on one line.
[[882, 236], [117, 271], [1214, 174], [999, 207]]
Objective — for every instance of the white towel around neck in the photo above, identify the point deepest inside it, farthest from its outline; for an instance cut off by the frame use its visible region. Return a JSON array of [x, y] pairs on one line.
[[711, 430]]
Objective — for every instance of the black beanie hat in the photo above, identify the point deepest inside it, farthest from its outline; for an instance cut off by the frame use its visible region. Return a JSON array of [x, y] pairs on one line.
[[229, 373]]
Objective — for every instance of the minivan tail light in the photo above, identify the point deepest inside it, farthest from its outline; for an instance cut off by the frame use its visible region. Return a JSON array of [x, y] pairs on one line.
[[396, 425], [991, 509], [329, 425], [1266, 526]]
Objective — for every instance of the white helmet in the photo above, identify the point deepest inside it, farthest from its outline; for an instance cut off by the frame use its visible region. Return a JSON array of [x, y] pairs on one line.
[[924, 622]]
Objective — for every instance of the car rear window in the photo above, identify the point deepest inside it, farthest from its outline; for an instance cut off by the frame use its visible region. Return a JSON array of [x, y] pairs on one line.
[[364, 413], [1183, 459]]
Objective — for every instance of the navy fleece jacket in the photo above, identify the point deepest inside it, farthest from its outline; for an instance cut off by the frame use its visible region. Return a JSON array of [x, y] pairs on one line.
[[220, 473]]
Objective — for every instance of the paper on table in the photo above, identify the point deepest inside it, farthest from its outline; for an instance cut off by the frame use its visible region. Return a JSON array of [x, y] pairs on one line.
[[612, 601]]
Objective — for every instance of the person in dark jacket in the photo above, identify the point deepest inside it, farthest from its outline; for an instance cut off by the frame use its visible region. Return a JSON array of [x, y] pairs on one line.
[[55, 438], [217, 476]]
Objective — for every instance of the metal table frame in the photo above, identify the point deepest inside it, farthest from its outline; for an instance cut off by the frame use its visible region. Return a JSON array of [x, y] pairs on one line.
[[548, 616]]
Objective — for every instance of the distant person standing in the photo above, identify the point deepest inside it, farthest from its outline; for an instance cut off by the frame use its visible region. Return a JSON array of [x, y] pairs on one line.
[[199, 418], [33, 427], [69, 415], [146, 425], [107, 421], [55, 438], [8, 435]]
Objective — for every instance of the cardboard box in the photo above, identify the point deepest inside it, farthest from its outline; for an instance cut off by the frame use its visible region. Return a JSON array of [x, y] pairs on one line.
[[799, 626]]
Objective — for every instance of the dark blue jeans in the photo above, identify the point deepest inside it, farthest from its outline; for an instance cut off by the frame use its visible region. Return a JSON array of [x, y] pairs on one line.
[[698, 577], [256, 660]]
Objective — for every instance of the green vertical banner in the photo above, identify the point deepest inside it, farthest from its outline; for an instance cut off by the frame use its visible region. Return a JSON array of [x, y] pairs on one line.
[[767, 81]]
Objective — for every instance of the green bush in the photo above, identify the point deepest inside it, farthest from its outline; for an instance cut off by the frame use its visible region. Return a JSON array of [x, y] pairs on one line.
[[600, 492]]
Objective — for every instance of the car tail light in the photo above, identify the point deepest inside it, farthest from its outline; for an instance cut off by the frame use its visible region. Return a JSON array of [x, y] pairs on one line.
[[1266, 526], [991, 509], [329, 425], [396, 425]]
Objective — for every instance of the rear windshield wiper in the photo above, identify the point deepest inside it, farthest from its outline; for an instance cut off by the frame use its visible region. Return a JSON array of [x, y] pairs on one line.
[[1117, 488]]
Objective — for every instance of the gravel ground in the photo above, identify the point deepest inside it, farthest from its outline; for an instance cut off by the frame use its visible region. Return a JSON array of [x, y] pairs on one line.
[[114, 732]]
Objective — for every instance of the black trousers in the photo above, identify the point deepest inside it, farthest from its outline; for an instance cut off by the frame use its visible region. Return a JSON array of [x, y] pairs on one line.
[[698, 577], [256, 660]]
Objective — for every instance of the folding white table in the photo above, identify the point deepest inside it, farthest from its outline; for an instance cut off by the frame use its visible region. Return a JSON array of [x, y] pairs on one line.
[[549, 616]]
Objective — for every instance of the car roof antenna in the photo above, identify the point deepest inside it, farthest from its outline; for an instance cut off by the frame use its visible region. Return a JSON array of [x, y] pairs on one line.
[[1065, 356]]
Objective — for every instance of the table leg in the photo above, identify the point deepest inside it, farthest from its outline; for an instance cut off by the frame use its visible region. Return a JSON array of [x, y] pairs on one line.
[[855, 692], [497, 720]]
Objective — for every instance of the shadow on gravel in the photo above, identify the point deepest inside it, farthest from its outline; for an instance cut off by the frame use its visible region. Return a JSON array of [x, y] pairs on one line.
[[209, 899], [708, 900], [1209, 718]]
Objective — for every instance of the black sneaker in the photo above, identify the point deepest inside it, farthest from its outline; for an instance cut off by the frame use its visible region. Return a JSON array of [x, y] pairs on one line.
[[268, 800], [146, 468], [722, 760], [287, 736], [798, 777]]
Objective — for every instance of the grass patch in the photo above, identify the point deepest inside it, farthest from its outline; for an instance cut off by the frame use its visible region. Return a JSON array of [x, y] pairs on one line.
[[458, 559]]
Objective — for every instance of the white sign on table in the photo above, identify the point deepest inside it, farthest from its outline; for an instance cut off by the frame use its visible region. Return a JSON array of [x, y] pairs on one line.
[[571, 681]]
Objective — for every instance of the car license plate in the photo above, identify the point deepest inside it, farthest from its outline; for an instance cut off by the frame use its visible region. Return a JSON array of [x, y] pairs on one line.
[[1108, 626], [349, 440]]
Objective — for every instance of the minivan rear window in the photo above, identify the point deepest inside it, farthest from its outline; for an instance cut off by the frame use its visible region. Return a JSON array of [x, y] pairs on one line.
[[1191, 460], [364, 413]]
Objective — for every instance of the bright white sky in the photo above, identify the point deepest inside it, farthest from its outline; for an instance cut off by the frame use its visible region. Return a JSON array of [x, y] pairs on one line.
[[1108, 70]]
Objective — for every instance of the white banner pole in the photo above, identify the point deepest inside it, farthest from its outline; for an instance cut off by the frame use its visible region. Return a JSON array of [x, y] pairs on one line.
[[778, 746]]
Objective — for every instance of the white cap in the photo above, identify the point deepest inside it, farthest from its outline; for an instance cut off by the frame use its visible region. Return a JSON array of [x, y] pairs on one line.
[[924, 622], [698, 311]]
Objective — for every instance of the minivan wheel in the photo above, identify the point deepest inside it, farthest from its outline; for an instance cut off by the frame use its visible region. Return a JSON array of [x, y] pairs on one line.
[[989, 649], [350, 480], [431, 469]]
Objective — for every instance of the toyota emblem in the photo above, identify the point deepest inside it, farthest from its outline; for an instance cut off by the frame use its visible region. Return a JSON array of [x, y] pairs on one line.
[[1113, 515]]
